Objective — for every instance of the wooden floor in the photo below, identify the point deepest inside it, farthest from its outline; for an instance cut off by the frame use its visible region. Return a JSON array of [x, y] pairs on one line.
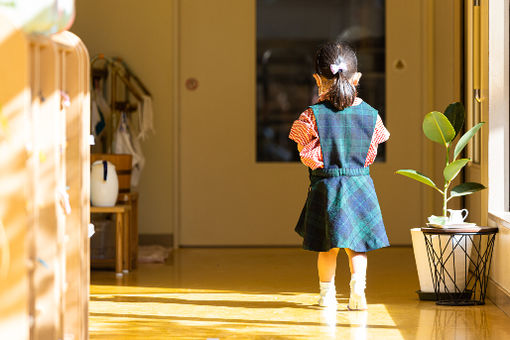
[[271, 294]]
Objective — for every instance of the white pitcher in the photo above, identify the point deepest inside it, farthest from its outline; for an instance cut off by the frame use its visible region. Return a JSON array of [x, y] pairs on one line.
[[457, 216], [104, 184]]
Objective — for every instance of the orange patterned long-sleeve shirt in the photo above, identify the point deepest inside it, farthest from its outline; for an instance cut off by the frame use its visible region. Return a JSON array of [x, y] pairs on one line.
[[304, 131]]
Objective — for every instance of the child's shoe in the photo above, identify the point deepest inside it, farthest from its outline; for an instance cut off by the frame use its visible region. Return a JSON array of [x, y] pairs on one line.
[[328, 294], [357, 300]]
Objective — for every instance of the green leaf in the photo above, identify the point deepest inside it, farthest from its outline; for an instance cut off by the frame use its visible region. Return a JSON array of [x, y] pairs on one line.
[[455, 114], [437, 128], [417, 176], [453, 169], [466, 189], [461, 144]]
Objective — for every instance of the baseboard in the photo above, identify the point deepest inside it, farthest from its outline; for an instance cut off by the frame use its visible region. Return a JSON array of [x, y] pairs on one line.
[[165, 240], [267, 246], [499, 296], [242, 246]]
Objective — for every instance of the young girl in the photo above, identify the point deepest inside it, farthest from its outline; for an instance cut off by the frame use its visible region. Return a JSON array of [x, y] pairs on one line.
[[337, 139]]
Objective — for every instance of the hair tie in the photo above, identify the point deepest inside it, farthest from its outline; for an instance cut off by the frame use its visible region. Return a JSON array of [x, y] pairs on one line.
[[335, 68]]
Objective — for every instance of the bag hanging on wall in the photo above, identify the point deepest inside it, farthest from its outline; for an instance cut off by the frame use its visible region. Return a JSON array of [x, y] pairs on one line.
[[125, 143]]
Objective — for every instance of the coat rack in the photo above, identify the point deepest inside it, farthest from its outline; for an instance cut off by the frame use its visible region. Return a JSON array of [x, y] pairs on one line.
[[116, 71]]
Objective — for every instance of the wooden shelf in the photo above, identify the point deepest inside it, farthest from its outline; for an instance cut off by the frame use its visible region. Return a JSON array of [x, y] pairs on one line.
[[121, 208]]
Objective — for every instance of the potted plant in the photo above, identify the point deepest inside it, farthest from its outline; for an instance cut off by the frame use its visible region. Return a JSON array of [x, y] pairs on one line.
[[442, 128]]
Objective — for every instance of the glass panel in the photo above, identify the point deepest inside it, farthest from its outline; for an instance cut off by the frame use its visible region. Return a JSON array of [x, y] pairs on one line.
[[288, 33]]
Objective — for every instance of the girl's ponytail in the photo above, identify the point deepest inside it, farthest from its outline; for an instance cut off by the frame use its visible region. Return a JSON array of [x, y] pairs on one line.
[[342, 93], [338, 62]]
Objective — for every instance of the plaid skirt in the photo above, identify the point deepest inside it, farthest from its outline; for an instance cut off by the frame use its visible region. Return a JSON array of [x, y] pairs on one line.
[[342, 211]]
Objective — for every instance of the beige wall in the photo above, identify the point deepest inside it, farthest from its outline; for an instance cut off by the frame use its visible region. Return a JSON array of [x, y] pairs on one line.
[[142, 35]]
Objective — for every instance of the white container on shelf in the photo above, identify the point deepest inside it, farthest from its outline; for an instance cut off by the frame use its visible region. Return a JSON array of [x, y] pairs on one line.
[[104, 184]]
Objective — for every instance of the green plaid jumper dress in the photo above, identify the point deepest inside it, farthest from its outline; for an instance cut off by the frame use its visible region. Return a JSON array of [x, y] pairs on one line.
[[342, 210]]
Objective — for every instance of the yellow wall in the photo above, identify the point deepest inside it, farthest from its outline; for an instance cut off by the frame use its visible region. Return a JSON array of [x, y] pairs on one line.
[[141, 34]]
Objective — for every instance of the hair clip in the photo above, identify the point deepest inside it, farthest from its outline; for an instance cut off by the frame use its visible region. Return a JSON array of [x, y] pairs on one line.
[[335, 68]]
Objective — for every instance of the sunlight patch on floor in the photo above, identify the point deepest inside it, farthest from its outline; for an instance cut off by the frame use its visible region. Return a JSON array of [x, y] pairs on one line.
[[223, 313]]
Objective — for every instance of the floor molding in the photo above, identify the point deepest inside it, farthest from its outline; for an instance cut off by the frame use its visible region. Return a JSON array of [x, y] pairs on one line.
[[499, 296], [165, 240]]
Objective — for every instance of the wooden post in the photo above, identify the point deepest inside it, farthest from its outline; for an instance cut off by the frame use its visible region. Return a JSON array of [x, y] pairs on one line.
[[16, 203], [119, 236]]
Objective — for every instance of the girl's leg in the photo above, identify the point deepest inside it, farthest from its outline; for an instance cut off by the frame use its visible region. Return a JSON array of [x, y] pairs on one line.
[[357, 262], [358, 266], [326, 267]]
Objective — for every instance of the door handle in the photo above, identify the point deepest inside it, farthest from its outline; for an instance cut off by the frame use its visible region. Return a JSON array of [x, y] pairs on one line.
[[191, 84]]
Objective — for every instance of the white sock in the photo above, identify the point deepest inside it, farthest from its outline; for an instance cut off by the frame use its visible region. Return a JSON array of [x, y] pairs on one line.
[[357, 300], [358, 283], [325, 286], [327, 293]]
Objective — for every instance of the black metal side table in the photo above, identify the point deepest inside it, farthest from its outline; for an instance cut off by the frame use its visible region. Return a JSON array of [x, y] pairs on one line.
[[460, 261]]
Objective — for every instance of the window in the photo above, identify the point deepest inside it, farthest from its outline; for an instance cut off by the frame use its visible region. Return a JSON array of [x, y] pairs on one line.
[[288, 34]]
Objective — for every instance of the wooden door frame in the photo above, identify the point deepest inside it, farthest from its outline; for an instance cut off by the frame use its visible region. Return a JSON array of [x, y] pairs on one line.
[[176, 192], [497, 105], [442, 36], [480, 96], [494, 105]]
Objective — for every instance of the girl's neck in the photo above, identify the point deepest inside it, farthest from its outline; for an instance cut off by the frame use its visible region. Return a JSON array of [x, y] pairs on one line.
[[357, 100]]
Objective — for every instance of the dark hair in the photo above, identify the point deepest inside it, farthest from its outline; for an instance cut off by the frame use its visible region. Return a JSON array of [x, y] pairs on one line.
[[342, 93]]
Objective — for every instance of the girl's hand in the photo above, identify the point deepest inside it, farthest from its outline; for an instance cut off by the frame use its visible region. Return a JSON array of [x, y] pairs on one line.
[[299, 147]]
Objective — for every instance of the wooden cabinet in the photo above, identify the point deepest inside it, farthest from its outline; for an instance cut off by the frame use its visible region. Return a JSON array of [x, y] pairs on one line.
[[44, 176]]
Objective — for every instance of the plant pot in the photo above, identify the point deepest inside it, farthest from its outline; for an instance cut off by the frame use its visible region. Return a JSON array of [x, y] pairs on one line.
[[423, 266]]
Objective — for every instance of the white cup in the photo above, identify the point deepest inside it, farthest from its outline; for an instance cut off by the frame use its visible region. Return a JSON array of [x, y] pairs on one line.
[[457, 216]]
